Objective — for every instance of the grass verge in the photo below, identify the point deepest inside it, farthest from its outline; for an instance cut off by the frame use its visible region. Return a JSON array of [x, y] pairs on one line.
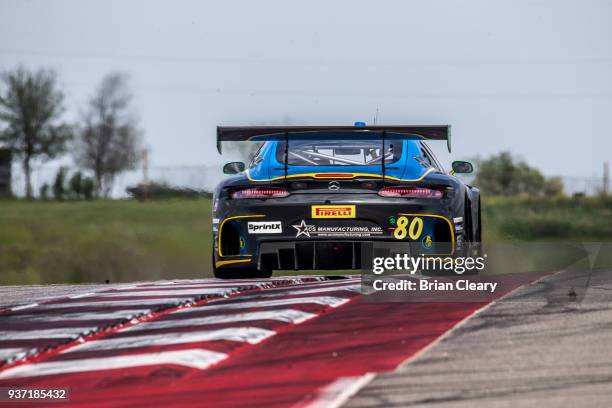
[[76, 242]]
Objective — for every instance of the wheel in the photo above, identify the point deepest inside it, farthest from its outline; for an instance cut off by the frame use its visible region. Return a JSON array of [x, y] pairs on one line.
[[478, 234], [471, 234], [467, 232]]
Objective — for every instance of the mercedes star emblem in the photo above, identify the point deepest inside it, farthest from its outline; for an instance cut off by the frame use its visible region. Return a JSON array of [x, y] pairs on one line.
[[333, 185]]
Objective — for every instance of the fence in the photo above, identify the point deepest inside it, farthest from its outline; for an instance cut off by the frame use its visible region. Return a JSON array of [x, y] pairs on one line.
[[584, 185], [206, 178], [202, 178]]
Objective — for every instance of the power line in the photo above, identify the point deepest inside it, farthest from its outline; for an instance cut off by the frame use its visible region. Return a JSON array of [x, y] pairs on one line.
[[292, 60]]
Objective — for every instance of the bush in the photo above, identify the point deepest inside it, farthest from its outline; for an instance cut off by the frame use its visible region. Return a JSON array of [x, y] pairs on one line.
[[504, 175], [44, 192], [553, 187], [88, 187], [58, 185], [76, 185], [162, 190]]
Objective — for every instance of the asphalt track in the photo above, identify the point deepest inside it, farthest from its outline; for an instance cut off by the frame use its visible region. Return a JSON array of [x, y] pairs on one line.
[[548, 344], [280, 342]]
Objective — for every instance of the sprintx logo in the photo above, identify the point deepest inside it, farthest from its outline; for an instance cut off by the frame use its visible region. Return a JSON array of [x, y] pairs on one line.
[[333, 211], [268, 227]]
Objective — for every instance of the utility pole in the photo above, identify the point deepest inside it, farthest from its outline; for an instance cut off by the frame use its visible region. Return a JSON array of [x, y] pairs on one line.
[[606, 178], [145, 173], [145, 166]]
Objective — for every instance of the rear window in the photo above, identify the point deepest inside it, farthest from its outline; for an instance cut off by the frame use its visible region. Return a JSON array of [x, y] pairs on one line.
[[339, 152]]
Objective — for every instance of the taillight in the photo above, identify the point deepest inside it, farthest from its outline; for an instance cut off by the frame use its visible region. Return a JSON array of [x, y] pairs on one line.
[[410, 192], [259, 192]]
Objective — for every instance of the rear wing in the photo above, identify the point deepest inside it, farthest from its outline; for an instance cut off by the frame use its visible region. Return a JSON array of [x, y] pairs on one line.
[[261, 133]]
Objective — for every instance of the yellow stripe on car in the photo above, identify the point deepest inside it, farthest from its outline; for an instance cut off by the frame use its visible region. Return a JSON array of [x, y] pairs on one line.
[[231, 261], [354, 175]]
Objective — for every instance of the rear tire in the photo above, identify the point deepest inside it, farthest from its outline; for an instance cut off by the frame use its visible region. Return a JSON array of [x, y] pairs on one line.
[[471, 234], [468, 231], [478, 233]]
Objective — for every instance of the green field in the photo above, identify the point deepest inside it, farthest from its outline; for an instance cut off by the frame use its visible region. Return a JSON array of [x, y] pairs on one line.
[[73, 242], [547, 219], [51, 242]]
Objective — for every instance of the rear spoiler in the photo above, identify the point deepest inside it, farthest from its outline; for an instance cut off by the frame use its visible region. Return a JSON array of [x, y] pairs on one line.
[[242, 133]]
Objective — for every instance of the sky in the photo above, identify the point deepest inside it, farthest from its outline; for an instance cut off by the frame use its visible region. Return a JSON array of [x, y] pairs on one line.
[[533, 77]]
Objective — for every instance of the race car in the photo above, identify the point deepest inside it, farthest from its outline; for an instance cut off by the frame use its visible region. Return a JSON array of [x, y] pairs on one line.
[[315, 197]]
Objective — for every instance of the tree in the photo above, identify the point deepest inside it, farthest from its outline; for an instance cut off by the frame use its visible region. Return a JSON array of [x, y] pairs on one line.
[[44, 191], [76, 185], [87, 187], [58, 185], [504, 175], [553, 187], [31, 105], [108, 141]]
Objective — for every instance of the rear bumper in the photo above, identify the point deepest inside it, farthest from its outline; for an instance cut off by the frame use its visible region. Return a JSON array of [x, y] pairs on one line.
[[322, 255], [296, 238]]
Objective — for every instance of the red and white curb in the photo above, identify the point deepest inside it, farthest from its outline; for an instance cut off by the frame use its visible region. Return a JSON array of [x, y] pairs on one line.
[[188, 324], [289, 342]]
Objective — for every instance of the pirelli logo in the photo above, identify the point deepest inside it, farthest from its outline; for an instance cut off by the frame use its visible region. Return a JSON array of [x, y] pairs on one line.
[[333, 211]]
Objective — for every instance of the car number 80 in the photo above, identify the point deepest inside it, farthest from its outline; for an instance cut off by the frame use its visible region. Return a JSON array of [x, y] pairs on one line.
[[412, 228]]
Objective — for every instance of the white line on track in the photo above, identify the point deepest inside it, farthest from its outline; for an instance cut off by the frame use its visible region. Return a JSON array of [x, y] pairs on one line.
[[283, 315], [319, 300], [338, 392], [261, 285], [251, 335], [181, 283], [322, 284], [14, 309], [10, 352], [64, 332], [174, 292], [69, 317], [316, 285], [103, 303], [223, 284], [351, 288], [196, 358], [293, 280], [286, 293], [82, 295]]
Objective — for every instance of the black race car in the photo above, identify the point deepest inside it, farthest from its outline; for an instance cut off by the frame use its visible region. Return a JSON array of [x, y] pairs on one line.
[[313, 196]]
